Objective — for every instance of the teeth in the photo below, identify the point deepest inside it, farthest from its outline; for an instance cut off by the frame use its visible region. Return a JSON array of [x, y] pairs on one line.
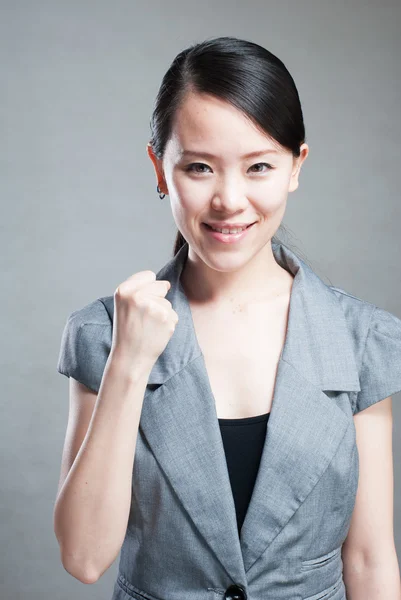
[[236, 230]]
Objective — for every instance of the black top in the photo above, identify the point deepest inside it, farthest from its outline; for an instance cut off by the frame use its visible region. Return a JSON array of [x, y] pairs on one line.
[[243, 441]]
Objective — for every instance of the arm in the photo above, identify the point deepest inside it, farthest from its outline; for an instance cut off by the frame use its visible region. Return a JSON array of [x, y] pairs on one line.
[[93, 502], [370, 565]]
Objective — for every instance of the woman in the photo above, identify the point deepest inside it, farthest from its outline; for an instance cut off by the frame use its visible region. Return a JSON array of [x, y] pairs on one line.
[[174, 378]]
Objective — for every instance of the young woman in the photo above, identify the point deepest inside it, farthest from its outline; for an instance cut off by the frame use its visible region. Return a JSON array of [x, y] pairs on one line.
[[230, 427]]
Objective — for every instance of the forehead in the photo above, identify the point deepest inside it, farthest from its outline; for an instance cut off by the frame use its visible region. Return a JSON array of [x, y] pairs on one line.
[[204, 122]]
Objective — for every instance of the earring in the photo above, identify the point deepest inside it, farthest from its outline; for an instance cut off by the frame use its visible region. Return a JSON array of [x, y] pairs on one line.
[[161, 196]]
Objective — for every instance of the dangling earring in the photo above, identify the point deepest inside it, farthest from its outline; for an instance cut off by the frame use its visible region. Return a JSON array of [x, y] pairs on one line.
[[161, 196]]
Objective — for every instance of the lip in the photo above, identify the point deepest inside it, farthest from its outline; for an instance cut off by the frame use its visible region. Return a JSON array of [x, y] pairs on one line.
[[227, 238], [227, 225]]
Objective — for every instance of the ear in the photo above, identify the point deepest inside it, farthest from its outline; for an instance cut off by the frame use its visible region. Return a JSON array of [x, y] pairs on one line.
[[297, 164], [157, 164]]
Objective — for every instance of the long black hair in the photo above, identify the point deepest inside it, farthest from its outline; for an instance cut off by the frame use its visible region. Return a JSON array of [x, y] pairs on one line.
[[242, 73]]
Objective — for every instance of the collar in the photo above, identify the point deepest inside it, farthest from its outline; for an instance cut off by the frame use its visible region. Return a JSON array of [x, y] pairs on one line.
[[318, 342]]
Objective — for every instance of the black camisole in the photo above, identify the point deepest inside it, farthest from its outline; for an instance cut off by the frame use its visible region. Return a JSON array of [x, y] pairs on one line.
[[243, 441]]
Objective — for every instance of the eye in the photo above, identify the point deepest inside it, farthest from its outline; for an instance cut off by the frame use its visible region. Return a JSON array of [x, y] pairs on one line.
[[260, 164], [194, 167], [191, 167]]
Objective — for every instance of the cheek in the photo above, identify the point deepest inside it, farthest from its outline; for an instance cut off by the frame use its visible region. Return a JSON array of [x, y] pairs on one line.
[[184, 186], [269, 195], [188, 197], [185, 209], [270, 202]]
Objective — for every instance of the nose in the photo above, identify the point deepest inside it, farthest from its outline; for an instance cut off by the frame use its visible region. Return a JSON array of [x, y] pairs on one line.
[[229, 195]]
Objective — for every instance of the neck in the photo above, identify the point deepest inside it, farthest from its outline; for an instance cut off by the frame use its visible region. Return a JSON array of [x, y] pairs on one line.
[[220, 281]]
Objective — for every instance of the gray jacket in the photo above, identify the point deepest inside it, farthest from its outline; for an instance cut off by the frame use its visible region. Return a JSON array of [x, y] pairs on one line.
[[341, 354]]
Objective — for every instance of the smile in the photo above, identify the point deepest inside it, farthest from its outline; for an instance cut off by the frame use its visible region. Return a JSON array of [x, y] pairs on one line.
[[227, 235]]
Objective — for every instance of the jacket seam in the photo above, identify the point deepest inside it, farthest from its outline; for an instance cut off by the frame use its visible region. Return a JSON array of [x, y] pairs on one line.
[[368, 329], [344, 293]]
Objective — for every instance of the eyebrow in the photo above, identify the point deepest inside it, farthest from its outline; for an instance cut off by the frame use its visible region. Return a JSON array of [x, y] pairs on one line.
[[185, 153]]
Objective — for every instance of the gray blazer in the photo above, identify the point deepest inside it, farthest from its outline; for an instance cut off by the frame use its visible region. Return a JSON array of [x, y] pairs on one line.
[[341, 354]]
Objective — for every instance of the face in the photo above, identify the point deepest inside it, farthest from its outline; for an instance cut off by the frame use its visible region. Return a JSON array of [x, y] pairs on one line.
[[227, 184]]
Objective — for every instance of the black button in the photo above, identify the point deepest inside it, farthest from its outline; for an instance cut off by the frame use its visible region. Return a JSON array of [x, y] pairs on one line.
[[235, 592]]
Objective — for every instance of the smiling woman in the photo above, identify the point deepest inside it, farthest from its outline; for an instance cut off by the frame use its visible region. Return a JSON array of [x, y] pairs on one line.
[[249, 449], [223, 105]]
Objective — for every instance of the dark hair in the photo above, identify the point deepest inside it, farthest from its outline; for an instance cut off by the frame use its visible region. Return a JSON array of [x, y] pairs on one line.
[[242, 73]]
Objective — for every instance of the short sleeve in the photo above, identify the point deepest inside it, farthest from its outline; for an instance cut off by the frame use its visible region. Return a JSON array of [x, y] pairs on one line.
[[380, 374], [85, 344]]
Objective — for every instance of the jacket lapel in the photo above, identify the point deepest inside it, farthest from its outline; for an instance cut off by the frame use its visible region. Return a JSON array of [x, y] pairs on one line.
[[305, 427], [179, 421]]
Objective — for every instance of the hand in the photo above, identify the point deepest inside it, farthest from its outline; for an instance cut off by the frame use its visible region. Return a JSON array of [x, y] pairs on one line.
[[144, 319]]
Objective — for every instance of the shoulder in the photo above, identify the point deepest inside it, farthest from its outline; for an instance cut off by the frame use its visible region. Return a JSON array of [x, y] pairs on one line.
[[363, 316], [376, 337], [356, 310], [358, 314], [96, 312], [86, 342]]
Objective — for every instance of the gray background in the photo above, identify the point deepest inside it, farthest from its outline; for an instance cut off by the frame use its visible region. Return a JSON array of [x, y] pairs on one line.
[[80, 212]]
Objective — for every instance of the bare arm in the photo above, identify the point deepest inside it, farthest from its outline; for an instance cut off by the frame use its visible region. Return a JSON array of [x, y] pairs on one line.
[[371, 570], [92, 507]]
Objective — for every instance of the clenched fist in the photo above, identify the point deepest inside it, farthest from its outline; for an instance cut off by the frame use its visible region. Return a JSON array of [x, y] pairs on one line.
[[144, 319]]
